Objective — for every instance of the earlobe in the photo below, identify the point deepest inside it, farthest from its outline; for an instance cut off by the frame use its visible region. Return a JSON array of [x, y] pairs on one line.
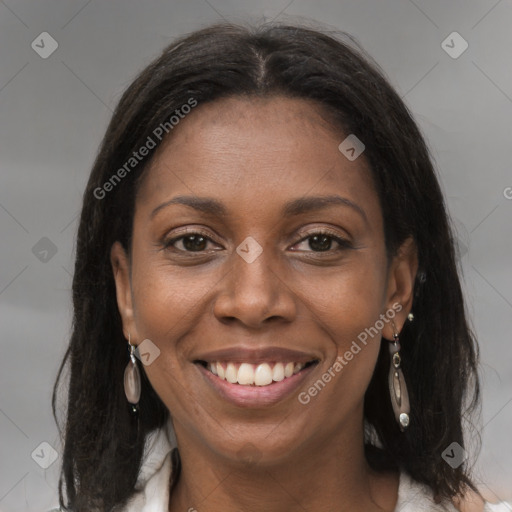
[[121, 270]]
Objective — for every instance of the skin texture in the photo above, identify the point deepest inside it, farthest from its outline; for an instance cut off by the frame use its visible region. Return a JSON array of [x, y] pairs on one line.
[[471, 502], [254, 155]]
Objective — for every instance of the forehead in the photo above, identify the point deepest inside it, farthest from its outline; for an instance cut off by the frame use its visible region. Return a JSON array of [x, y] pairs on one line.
[[237, 149]]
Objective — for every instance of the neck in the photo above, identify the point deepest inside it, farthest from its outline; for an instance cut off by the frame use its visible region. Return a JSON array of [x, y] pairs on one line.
[[331, 475]]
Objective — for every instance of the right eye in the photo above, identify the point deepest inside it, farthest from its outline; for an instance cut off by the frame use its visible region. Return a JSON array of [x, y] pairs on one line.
[[190, 242]]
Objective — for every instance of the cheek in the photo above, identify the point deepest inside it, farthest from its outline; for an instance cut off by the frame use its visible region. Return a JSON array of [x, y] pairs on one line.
[[347, 305], [164, 298], [346, 302], [165, 309]]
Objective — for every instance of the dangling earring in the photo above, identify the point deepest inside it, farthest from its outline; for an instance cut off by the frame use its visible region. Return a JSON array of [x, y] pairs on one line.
[[132, 379], [397, 387]]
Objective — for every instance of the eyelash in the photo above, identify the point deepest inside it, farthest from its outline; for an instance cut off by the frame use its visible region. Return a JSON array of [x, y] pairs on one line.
[[343, 243]]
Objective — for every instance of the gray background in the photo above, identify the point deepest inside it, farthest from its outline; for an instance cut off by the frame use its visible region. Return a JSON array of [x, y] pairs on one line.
[[53, 115]]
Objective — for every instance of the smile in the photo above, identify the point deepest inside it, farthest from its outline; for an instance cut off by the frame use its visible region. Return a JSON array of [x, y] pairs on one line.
[[259, 384], [247, 374]]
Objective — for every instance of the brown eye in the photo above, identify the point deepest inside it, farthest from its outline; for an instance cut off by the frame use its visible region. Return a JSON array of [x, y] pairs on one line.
[[193, 242], [320, 242], [323, 242]]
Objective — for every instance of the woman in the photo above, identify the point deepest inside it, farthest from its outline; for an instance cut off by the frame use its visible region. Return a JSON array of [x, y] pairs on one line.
[[267, 310]]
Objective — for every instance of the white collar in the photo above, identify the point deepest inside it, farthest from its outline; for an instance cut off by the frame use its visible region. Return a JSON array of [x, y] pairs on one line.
[[152, 487]]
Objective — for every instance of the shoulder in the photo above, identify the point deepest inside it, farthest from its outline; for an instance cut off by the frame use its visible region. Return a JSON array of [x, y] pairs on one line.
[[151, 491], [498, 507], [472, 502], [416, 497]]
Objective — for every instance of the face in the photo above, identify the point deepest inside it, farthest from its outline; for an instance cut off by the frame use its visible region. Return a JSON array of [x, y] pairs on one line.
[[258, 255]]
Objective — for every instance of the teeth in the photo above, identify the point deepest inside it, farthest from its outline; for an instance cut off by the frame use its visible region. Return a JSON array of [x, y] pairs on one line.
[[231, 373], [263, 375], [298, 368], [278, 373], [220, 371], [247, 374]]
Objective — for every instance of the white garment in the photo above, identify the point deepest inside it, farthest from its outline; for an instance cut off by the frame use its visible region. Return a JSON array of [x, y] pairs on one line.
[[153, 483]]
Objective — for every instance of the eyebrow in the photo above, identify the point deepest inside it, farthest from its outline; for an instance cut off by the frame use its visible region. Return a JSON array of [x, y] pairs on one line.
[[295, 207]]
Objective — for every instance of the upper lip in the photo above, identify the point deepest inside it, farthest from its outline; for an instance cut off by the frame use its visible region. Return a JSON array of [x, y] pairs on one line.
[[256, 355]]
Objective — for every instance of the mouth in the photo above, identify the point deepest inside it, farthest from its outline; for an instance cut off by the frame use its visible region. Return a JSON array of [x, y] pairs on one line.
[[254, 385], [262, 374]]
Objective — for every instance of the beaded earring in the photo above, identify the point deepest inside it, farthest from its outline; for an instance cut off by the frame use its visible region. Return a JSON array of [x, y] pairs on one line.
[[397, 386], [132, 379]]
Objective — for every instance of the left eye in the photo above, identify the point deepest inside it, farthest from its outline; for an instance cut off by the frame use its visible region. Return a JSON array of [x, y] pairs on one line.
[[322, 242]]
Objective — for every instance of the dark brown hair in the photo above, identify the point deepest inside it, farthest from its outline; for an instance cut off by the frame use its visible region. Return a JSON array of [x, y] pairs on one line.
[[103, 442]]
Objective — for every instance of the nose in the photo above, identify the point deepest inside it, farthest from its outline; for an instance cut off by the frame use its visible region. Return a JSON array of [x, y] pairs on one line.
[[255, 294]]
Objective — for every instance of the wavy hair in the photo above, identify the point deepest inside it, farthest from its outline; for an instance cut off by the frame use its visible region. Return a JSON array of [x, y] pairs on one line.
[[103, 443]]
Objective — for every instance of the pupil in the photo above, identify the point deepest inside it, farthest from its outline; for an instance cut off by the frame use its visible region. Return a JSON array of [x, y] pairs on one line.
[[320, 242], [196, 243]]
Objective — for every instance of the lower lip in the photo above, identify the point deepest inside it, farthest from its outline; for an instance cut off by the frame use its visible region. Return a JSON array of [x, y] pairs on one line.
[[255, 396]]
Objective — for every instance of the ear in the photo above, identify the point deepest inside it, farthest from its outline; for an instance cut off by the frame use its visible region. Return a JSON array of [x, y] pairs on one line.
[[121, 268], [400, 288]]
